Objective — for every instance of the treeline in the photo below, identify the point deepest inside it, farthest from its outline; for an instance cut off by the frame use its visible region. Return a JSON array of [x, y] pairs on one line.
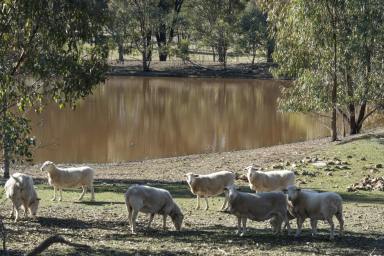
[[173, 27]]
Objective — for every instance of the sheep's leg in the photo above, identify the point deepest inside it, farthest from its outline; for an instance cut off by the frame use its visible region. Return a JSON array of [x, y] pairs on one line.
[[61, 194], [206, 203], [244, 221], [287, 225], [92, 193], [238, 232], [25, 211], [339, 217], [83, 193], [133, 221], [13, 211], [165, 221], [300, 222], [314, 227], [225, 202], [129, 209], [197, 202], [150, 219], [17, 213], [332, 234], [54, 194]]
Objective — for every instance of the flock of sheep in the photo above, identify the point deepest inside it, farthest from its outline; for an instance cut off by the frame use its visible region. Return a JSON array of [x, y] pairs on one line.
[[276, 199]]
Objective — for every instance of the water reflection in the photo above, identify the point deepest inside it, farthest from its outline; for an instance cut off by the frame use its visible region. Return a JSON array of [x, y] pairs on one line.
[[132, 118]]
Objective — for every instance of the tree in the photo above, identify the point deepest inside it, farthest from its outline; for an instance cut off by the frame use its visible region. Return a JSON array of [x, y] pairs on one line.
[[143, 19], [253, 30], [52, 49], [117, 27], [168, 16], [325, 46], [214, 22]]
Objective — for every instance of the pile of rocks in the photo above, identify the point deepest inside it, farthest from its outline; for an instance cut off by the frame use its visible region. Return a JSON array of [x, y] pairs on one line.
[[368, 183]]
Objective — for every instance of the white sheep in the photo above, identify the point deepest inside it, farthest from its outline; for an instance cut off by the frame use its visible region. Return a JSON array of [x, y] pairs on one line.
[[61, 178], [210, 185], [316, 206], [275, 180], [140, 198], [258, 207], [20, 190]]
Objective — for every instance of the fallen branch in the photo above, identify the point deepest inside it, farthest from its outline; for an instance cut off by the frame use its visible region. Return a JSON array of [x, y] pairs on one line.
[[4, 237], [52, 240]]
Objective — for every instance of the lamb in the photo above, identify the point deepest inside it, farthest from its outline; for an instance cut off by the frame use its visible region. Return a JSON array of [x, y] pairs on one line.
[[61, 178], [258, 207], [276, 180], [141, 198], [20, 190], [316, 206], [210, 185]]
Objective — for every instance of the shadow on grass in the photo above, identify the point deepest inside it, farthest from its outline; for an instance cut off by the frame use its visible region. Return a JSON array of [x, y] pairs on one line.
[[359, 197], [110, 251], [177, 189], [97, 203], [71, 223], [368, 136], [263, 239]]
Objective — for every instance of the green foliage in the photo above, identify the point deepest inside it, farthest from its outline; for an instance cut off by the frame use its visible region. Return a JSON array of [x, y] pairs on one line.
[[330, 44], [48, 49], [252, 30]]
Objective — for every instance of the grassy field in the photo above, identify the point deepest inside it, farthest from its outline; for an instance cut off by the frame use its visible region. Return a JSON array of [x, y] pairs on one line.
[[103, 224]]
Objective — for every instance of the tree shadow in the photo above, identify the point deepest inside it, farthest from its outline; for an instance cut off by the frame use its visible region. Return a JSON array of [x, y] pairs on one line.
[[98, 203], [177, 189], [362, 197]]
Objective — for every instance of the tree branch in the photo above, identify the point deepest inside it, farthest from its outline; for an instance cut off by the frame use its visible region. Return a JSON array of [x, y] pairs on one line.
[[52, 240]]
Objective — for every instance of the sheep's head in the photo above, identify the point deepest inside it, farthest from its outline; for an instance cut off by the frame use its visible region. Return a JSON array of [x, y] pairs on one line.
[[177, 217], [47, 166], [231, 191], [293, 192], [33, 205], [190, 177]]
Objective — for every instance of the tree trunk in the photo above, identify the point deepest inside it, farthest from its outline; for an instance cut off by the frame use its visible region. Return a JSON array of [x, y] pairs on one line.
[[334, 85], [147, 52], [161, 38], [121, 52], [270, 49], [6, 156], [213, 54]]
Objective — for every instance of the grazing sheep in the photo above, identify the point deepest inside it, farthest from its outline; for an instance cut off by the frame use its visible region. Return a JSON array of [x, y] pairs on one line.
[[61, 178], [316, 206], [210, 185], [276, 180], [140, 198], [20, 190], [258, 207]]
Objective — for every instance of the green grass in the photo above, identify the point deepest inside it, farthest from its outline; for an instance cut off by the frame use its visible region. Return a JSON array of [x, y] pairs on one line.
[[103, 224]]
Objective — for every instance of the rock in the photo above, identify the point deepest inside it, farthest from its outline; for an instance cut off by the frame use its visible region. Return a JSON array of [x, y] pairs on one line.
[[344, 167], [329, 174], [379, 166], [331, 163], [320, 164], [287, 163], [368, 183], [278, 166], [349, 156], [363, 159]]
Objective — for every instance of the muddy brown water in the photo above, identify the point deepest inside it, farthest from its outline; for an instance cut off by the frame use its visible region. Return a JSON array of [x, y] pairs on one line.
[[136, 118]]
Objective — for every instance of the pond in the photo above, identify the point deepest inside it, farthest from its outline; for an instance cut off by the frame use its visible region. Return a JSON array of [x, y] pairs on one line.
[[136, 118]]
